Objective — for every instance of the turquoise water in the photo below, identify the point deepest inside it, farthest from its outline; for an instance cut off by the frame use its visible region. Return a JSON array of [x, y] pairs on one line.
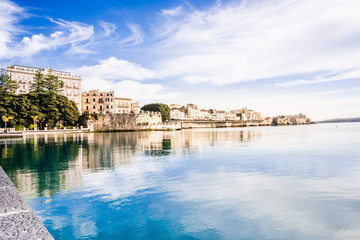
[[296, 182]]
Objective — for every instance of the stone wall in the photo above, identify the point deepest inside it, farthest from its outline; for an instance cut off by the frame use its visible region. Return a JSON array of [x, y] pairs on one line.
[[126, 121]]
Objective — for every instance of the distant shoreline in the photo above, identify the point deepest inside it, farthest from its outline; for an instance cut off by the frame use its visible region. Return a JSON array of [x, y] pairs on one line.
[[341, 120]]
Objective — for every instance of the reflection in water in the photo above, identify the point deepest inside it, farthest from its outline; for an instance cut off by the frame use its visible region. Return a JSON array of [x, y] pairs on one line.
[[45, 164], [262, 183]]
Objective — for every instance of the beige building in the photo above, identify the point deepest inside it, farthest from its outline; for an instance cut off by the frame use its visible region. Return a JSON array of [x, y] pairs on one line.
[[122, 105], [135, 107], [25, 77], [298, 119], [95, 101], [247, 114], [176, 111]]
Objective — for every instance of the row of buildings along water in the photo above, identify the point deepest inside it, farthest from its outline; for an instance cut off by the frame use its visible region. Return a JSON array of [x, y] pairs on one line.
[[96, 101]]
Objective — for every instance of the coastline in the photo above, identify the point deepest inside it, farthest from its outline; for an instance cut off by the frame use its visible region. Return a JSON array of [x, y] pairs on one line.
[[178, 126]]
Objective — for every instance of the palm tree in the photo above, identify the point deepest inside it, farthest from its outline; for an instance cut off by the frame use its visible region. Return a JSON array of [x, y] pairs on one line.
[[35, 119], [6, 119]]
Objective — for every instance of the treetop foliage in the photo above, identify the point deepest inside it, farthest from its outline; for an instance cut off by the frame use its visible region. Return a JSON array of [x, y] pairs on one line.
[[43, 104], [164, 109]]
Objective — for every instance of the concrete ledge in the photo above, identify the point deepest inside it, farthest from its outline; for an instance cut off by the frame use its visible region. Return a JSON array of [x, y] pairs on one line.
[[17, 221]]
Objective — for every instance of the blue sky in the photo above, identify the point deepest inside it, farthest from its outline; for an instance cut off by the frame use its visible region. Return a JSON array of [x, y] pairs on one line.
[[273, 56]]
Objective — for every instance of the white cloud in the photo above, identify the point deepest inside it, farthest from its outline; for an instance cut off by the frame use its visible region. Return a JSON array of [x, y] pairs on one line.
[[122, 77], [109, 28], [135, 38], [354, 74], [114, 69], [254, 40], [71, 33], [9, 14]]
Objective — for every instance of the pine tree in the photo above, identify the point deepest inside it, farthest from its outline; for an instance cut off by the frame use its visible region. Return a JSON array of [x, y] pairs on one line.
[[38, 84]]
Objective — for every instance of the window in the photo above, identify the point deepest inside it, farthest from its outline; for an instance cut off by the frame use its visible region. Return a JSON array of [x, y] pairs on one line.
[[93, 107], [100, 94], [111, 107], [87, 100], [107, 94], [24, 87], [111, 99], [100, 107], [107, 106], [87, 107], [87, 94], [94, 94], [110, 94], [93, 99]]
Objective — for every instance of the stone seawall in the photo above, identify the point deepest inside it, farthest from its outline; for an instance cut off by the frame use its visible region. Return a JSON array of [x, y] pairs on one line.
[[17, 221], [150, 121], [218, 124]]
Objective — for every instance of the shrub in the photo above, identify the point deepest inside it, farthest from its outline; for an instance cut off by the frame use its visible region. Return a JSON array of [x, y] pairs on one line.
[[19, 127], [31, 126]]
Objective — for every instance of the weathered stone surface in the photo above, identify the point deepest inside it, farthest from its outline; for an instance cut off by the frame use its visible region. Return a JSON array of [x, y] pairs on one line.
[[11, 200], [17, 221], [24, 225], [4, 179]]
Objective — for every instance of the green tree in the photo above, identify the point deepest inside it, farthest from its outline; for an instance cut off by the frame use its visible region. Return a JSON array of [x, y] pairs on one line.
[[158, 107], [38, 84], [7, 85], [52, 84], [68, 110], [7, 93]]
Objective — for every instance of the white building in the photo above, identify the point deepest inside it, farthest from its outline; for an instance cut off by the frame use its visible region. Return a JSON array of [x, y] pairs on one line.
[[24, 76]]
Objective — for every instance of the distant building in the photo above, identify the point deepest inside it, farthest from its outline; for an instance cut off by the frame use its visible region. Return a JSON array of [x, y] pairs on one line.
[[247, 113], [192, 111], [298, 119], [95, 101], [177, 111], [24, 76], [281, 120], [135, 107], [122, 105]]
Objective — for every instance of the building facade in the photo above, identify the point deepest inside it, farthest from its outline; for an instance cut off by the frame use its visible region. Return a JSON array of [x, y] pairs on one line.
[[95, 101], [24, 76], [135, 107], [122, 105]]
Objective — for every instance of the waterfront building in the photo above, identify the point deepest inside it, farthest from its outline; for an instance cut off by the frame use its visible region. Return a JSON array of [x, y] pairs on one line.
[[204, 114], [231, 116], [95, 101], [122, 105], [135, 107], [247, 114], [24, 76], [177, 111], [192, 111], [281, 120], [298, 119]]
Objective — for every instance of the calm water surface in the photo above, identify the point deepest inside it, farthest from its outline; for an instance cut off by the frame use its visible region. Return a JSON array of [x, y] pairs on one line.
[[300, 182]]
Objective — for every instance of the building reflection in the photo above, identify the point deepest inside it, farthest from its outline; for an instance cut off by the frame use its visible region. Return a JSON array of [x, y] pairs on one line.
[[41, 166]]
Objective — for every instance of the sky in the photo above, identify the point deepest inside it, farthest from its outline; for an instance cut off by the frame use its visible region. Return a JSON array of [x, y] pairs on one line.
[[272, 56]]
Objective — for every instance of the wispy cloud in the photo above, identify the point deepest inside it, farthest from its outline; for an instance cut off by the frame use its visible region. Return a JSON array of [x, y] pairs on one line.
[[254, 40], [109, 28], [135, 38], [9, 15], [353, 74], [72, 34]]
